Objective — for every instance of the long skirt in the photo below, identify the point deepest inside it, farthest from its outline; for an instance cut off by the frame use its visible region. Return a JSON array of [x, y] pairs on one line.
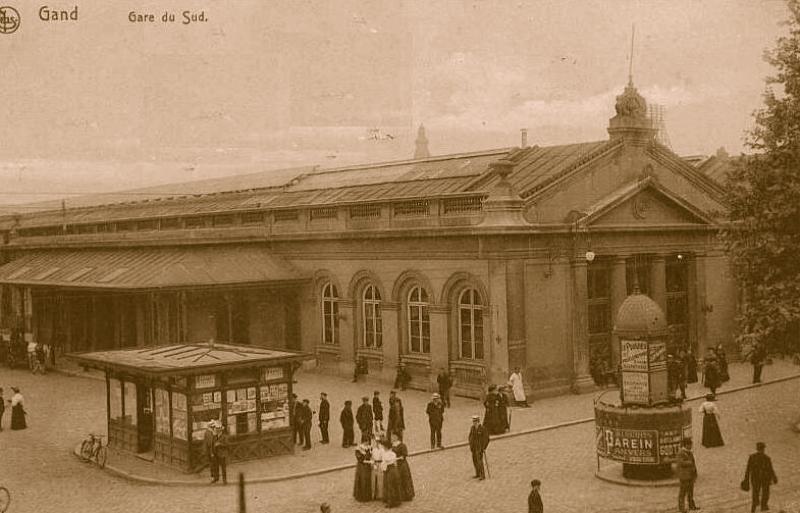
[[377, 482], [18, 417], [502, 419], [711, 434], [392, 494], [362, 489], [406, 482]]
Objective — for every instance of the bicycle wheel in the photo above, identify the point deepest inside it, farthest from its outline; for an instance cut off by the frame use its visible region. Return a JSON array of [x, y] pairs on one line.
[[5, 499], [101, 456], [86, 450]]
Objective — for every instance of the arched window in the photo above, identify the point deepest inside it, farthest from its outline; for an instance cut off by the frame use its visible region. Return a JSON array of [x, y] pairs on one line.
[[371, 315], [470, 323], [419, 321], [330, 314]]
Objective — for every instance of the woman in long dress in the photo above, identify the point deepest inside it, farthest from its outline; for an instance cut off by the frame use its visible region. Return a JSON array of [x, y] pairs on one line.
[[711, 434], [518, 387], [17, 410], [722, 362], [406, 482], [502, 409], [392, 494], [711, 378], [362, 488], [691, 367], [490, 419]]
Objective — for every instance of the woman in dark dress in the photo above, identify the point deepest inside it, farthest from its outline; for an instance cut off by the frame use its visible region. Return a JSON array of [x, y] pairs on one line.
[[722, 362], [711, 372], [490, 417], [691, 367], [362, 489], [406, 482], [17, 410], [502, 409], [711, 434], [392, 492]]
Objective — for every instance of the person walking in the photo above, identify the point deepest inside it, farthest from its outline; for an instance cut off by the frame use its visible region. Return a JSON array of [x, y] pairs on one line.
[[2, 408], [346, 419], [534, 499], [757, 357], [711, 377], [518, 388], [435, 411], [221, 450], [722, 362], [396, 423], [364, 419], [478, 442], [17, 410], [712, 437], [209, 444], [760, 475], [324, 417], [306, 418], [377, 412], [686, 470], [445, 382]]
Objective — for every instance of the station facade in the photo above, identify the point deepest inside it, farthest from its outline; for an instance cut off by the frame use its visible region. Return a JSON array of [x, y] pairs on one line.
[[477, 262]]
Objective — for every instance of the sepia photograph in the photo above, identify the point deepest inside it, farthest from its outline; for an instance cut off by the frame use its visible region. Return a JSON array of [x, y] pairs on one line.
[[445, 256]]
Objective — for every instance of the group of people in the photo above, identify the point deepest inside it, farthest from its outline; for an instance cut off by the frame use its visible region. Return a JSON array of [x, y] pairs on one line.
[[17, 404], [497, 416], [382, 471], [759, 476]]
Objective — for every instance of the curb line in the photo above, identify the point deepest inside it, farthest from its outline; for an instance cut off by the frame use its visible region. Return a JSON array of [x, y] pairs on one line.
[[327, 470]]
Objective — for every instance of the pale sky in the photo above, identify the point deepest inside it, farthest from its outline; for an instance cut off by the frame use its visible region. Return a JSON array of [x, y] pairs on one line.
[[104, 104]]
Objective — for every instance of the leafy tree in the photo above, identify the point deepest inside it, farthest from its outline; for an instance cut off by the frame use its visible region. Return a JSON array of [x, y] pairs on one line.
[[764, 205]]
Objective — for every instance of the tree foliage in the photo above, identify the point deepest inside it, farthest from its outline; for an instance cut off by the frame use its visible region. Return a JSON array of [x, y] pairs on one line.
[[764, 201]]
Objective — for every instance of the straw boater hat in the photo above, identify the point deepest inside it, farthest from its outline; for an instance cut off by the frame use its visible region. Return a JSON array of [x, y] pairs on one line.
[[435, 395], [476, 417]]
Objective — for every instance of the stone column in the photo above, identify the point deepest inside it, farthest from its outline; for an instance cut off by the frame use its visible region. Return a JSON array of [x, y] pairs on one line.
[[696, 299], [658, 282], [582, 380], [618, 295], [496, 349]]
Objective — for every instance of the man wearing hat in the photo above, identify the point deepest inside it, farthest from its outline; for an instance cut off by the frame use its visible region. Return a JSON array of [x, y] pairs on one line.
[[209, 443], [534, 499], [435, 411], [760, 475], [364, 419], [478, 442]]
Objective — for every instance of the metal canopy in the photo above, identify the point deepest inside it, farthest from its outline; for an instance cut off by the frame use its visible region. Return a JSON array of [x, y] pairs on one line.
[[184, 359], [149, 268]]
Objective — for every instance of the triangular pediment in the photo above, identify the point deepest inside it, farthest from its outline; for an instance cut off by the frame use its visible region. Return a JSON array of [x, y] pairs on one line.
[[644, 203]]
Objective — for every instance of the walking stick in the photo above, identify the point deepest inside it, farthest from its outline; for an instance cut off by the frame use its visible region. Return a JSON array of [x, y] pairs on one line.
[[486, 464], [510, 412]]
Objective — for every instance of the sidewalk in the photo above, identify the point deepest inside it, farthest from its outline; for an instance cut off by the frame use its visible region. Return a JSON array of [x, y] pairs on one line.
[[549, 413]]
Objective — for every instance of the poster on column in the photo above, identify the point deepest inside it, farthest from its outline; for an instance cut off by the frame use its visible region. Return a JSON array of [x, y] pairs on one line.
[[633, 355], [636, 387]]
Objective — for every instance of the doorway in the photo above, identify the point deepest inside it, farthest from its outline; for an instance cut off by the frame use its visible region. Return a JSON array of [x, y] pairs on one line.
[[144, 404]]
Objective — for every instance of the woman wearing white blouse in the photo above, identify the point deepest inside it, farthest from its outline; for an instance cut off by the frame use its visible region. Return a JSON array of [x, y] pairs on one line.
[[377, 471], [711, 433]]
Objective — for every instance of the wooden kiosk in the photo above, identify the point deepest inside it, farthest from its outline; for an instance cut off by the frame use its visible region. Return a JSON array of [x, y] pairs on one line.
[[159, 400]]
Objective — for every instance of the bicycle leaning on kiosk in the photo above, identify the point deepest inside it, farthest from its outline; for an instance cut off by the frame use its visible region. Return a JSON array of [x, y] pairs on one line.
[[92, 449]]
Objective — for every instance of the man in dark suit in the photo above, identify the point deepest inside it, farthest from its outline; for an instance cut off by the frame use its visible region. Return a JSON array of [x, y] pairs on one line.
[[306, 416], [346, 419], [761, 475], [396, 423], [324, 416], [686, 470], [534, 499], [757, 358], [209, 444], [377, 411], [293, 404], [478, 442], [435, 411], [364, 419]]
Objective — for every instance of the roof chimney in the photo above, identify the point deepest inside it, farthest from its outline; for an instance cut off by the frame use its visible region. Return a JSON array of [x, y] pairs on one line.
[[421, 150], [524, 134]]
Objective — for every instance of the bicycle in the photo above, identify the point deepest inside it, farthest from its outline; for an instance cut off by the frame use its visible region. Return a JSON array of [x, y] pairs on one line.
[[93, 449], [5, 499]]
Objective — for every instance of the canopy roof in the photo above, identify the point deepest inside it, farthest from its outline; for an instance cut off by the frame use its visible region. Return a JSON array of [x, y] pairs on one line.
[[185, 359], [149, 268]]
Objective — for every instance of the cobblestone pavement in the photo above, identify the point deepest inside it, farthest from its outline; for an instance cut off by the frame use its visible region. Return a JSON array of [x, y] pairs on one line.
[[36, 464]]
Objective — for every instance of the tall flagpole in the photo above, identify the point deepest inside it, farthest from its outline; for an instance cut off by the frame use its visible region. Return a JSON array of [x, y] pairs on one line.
[[630, 62]]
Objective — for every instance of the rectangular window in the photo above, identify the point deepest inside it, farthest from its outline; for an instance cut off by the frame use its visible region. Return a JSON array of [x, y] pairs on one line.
[[281, 216], [455, 206], [598, 288], [677, 284], [171, 223], [253, 218], [162, 411], [226, 220], [194, 222], [274, 406], [179, 416]]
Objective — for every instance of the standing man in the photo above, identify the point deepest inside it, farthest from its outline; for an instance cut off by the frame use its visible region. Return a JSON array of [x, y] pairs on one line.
[[377, 411], [518, 387], [346, 419], [324, 416], [682, 367], [396, 423], [687, 474], [435, 411], [209, 443], [445, 382], [478, 442], [293, 416], [306, 417], [761, 475], [364, 419], [757, 357], [221, 451], [534, 499]]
